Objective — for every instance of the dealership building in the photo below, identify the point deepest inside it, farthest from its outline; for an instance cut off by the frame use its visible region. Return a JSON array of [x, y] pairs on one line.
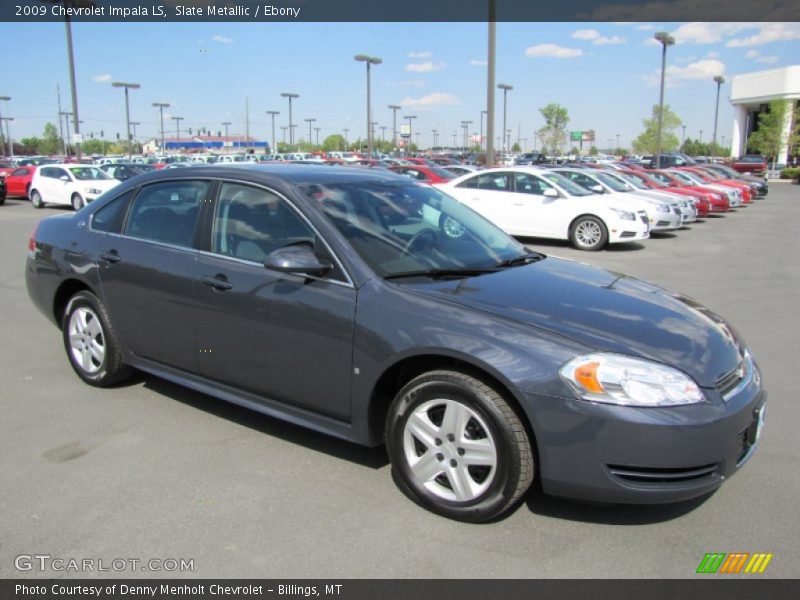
[[751, 94]]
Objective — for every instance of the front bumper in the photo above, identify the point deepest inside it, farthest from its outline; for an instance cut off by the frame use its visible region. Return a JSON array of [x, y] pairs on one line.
[[632, 455], [672, 220]]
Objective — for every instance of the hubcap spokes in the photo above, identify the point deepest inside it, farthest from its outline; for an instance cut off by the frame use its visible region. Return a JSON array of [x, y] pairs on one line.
[[449, 450], [86, 340], [588, 233]]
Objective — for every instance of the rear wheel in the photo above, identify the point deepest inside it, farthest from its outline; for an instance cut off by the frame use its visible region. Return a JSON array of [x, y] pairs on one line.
[[588, 233], [457, 447], [36, 199], [90, 342], [77, 202]]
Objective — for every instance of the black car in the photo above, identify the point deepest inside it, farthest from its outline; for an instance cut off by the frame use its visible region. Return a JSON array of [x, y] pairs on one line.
[[366, 306]]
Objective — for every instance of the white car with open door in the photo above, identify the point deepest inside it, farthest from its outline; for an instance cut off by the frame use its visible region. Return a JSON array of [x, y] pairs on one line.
[[533, 202], [69, 184]]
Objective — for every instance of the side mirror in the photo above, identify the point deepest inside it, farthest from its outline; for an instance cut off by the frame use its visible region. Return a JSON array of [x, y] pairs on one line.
[[550, 193], [298, 259], [597, 188]]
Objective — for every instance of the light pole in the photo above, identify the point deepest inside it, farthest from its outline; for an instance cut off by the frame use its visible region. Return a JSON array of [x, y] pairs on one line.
[[346, 141], [66, 116], [8, 135], [490, 71], [505, 87], [5, 99], [617, 148], [309, 121], [283, 129], [177, 131], [410, 117], [316, 130], [127, 86], [161, 106], [455, 135], [272, 113], [483, 112], [395, 108], [719, 80], [435, 134], [665, 40], [290, 96], [134, 124], [226, 124], [466, 125], [700, 139], [369, 60], [683, 134]]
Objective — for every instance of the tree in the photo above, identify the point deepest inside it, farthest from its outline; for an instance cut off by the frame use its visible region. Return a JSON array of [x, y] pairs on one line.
[[554, 133], [515, 147], [647, 142], [333, 142], [770, 137], [92, 146], [51, 143], [593, 151], [574, 150]]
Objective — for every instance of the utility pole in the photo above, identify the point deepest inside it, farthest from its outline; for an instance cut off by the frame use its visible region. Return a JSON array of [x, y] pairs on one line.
[[395, 108], [247, 122], [272, 113], [490, 79]]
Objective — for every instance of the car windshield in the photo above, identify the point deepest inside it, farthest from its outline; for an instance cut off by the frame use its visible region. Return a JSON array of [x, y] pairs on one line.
[[87, 173], [686, 177], [399, 227], [440, 172], [725, 170], [634, 181], [572, 188], [751, 159], [612, 182]]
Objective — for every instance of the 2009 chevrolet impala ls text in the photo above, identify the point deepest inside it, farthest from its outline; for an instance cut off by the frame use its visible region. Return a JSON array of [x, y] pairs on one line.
[[372, 308]]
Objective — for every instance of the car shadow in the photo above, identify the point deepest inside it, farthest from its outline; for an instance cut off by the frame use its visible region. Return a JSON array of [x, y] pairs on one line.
[[541, 504], [373, 458], [622, 247]]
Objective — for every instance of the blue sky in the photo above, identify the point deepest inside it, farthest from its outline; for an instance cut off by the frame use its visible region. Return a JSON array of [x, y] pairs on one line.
[[606, 74]]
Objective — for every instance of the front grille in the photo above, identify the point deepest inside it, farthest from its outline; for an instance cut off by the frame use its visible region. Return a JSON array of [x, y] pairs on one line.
[[658, 475], [677, 211], [627, 234], [728, 383], [662, 223], [645, 218]]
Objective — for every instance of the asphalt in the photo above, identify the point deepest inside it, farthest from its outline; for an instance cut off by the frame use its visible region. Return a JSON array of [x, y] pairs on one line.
[[151, 470]]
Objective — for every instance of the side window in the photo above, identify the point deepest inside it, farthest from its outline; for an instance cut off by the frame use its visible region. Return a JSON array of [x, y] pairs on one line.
[[528, 184], [251, 222], [498, 182], [109, 217], [59, 173], [471, 183], [19, 173], [47, 172], [167, 212]]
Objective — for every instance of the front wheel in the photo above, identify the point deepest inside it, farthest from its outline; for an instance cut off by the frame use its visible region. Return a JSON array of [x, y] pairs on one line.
[[77, 202], [588, 233], [36, 199], [91, 343], [457, 447]]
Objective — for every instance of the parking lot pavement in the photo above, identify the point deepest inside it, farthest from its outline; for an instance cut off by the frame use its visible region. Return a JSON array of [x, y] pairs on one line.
[[151, 470]]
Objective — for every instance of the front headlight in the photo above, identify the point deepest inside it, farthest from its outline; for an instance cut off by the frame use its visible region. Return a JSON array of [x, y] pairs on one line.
[[624, 214], [617, 379], [662, 208], [94, 191]]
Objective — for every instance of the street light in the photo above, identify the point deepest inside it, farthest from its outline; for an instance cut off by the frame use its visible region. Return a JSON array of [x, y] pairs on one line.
[[505, 87], [309, 121], [410, 117], [480, 143], [177, 130], [435, 133], [5, 99], [161, 106], [290, 96], [683, 135], [395, 108], [316, 130], [369, 60], [134, 124], [127, 86], [346, 141], [665, 40], [272, 113], [466, 125], [719, 80], [8, 135], [66, 116]]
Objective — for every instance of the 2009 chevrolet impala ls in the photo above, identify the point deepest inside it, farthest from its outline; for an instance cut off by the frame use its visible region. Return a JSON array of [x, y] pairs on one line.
[[372, 308]]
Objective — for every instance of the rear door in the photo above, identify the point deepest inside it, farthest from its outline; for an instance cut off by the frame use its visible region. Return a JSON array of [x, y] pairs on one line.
[[490, 194], [533, 213], [284, 337]]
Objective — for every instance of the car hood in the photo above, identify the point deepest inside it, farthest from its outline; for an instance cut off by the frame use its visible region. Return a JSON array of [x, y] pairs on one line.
[[604, 310]]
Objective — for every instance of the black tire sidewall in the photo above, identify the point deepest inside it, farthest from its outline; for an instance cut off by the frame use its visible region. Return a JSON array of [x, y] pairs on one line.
[[494, 499], [88, 300]]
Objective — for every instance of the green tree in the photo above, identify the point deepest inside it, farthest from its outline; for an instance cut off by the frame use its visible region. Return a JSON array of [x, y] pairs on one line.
[[574, 150], [554, 132], [51, 143], [333, 142], [29, 145], [647, 143], [771, 137], [92, 146], [593, 151], [515, 147]]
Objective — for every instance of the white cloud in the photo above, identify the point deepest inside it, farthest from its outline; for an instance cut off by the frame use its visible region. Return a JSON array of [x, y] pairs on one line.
[[594, 36], [759, 58], [430, 101], [222, 39], [478, 63], [752, 54], [707, 33], [552, 51], [706, 68], [712, 54], [425, 67], [105, 78], [406, 83], [768, 33], [424, 54]]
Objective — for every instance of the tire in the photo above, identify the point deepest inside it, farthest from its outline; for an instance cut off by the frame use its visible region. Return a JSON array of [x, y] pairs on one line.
[[458, 416], [36, 199], [28, 191], [588, 233], [2, 200], [90, 342], [77, 202]]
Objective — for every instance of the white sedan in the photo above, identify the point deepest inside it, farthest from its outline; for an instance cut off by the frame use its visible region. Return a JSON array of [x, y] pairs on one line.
[[527, 201], [70, 184]]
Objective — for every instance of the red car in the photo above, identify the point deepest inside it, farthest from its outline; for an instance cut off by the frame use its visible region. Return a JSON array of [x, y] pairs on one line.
[[751, 164], [702, 200], [718, 202], [424, 174], [18, 181], [745, 189]]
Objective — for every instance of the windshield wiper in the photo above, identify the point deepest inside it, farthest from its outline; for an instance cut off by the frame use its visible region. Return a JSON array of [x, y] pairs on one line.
[[441, 273], [524, 259]]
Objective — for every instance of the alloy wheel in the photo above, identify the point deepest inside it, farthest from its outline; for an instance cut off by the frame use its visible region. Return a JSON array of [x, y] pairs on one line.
[[87, 341]]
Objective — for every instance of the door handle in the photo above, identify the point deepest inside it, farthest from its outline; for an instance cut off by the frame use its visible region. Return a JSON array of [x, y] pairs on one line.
[[111, 256], [218, 282]]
